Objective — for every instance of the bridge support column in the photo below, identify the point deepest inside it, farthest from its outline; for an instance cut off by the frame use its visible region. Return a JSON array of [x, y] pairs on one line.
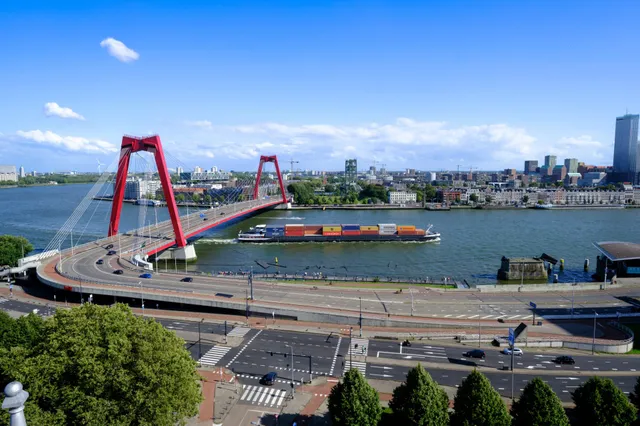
[[184, 254]]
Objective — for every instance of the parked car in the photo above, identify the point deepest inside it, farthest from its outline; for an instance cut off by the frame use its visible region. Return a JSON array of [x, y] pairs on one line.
[[99, 262], [118, 272], [475, 353], [109, 247], [187, 280], [565, 359], [516, 351], [111, 252], [145, 275], [269, 379]]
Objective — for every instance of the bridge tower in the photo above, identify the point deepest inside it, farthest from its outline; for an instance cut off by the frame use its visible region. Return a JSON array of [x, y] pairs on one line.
[[269, 159], [131, 144]]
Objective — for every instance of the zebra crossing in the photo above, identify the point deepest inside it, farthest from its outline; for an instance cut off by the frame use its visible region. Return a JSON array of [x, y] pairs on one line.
[[239, 332], [483, 316], [358, 346], [361, 366], [214, 355], [3, 300], [262, 395]]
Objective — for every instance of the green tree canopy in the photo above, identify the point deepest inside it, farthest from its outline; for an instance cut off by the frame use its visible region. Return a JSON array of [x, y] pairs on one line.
[[97, 365], [196, 198], [207, 199], [374, 191], [419, 401], [600, 403], [538, 406], [302, 192], [634, 397], [11, 249], [478, 404], [473, 198], [354, 402]]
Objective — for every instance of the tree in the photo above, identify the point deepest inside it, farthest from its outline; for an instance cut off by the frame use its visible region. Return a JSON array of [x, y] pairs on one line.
[[488, 199], [207, 199], [473, 198], [525, 199], [330, 188], [150, 196], [600, 403], [97, 365], [634, 397], [195, 198], [179, 198], [478, 404], [538, 406], [12, 248], [420, 401], [354, 402]]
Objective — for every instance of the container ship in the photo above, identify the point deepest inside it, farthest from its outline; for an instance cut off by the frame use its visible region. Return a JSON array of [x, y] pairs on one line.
[[299, 233]]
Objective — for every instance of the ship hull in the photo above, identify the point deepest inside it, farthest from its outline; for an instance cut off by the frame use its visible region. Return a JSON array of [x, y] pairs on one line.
[[340, 238]]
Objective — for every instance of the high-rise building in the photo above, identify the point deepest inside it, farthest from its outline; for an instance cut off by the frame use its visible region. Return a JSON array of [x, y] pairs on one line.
[[22, 173], [571, 164], [179, 170], [626, 155], [8, 173], [530, 166], [350, 172], [550, 161], [559, 172], [197, 169]]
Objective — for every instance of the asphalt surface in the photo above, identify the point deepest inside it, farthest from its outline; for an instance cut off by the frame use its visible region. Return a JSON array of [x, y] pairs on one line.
[[263, 351]]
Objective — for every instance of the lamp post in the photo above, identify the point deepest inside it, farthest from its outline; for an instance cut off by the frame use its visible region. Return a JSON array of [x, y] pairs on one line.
[[14, 400], [142, 297], [360, 316], [593, 345], [199, 340], [350, 348], [293, 386]]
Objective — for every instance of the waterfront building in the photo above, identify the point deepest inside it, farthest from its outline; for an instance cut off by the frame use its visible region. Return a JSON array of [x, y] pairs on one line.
[[137, 189], [626, 156], [571, 164], [402, 197], [22, 173], [350, 172], [530, 166], [197, 169], [571, 179], [205, 175], [8, 173], [592, 179]]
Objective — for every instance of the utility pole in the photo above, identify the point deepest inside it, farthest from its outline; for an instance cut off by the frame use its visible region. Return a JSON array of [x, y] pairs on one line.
[[293, 386], [411, 293], [593, 345], [199, 340], [360, 316], [350, 348], [142, 297], [250, 279], [246, 298], [479, 325]]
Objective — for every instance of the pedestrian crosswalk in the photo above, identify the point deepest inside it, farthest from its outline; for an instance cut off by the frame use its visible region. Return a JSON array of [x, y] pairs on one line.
[[214, 355], [262, 395], [358, 346], [2, 300], [361, 366], [239, 332]]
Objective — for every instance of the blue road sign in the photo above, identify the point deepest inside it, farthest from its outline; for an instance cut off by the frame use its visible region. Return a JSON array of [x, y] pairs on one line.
[[201, 214], [533, 305], [512, 338]]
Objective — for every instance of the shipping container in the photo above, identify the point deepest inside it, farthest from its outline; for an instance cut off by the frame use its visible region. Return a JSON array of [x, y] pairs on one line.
[[412, 232], [350, 227], [331, 234], [349, 233], [421, 232], [331, 228], [387, 232], [294, 226], [406, 228], [369, 233], [318, 232], [369, 228], [387, 226], [313, 227]]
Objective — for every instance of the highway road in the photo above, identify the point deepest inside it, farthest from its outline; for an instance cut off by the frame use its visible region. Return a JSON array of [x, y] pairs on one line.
[[263, 351]]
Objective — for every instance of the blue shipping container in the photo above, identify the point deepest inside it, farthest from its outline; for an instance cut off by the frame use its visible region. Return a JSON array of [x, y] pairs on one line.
[[350, 227]]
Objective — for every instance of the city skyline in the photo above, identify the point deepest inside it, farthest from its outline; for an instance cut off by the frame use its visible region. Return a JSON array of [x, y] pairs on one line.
[[411, 85]]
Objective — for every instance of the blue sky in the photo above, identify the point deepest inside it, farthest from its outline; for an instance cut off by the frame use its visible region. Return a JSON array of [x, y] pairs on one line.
[[421, 84]]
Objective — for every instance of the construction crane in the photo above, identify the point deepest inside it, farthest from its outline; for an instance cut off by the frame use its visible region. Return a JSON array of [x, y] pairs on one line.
[[292, 161]]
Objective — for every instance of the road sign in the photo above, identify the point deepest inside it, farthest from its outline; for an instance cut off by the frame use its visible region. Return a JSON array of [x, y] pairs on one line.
[[201, 214], [533, 305], [512, 337]]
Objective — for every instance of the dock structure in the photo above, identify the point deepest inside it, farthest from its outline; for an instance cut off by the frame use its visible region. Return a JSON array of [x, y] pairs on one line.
[[520, 269], [619, 258]]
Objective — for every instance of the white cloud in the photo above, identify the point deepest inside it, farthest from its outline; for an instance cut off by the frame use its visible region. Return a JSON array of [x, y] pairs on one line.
[[67, 143], [119, 50], [203, 124], [53, 109]]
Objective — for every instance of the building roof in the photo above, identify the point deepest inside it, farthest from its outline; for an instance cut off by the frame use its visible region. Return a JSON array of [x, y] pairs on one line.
[[619, 250]]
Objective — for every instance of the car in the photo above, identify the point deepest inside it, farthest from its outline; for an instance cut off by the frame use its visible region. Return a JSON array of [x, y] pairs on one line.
[[145, 275], [269, 379], [111, 252], [206, 218], [187, 280], [99, 262], [516, 351], [475, 353], [118, 272], [109, 247], [406, 343], [222, 214], [564, 359]]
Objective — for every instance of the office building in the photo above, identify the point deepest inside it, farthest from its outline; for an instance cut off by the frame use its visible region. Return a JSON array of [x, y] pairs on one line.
[[571, 165], [350, 172], [8, 173], [625, 151], [179, 170], [510, 173], [22, 173], [197, 169], [530, 166], [402, 197], [559, 172], [431, 176], [549, 164], [137, 189]]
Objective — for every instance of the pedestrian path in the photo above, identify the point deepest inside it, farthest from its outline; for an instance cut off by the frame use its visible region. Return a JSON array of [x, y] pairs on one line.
[[299, 370], [239, 332], [335, 356], [361, 366], [262, 395], [358, 346], [500, 315], [2, 300], [214, 355]]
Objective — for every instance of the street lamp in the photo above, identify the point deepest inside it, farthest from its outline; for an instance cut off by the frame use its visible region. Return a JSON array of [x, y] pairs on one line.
[[593, 346], [360, 316], [293, 386], [142, 297], [199, 340]]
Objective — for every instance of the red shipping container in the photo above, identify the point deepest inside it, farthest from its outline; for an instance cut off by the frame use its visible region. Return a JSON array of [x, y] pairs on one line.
[[351, 233], [318, 232], [369, 233], [331, 234], [313, 228], [294, 226], [406, 232], [293, 234]]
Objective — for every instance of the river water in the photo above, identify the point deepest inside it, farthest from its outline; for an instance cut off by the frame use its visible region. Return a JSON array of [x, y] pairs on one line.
[[473, 241]]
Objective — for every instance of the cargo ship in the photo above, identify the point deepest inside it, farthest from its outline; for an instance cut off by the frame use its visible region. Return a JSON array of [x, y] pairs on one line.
[[299, 233]]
